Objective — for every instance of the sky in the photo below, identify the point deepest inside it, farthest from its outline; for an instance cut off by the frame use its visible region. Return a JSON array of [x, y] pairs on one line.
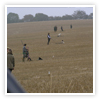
[[50, 11]]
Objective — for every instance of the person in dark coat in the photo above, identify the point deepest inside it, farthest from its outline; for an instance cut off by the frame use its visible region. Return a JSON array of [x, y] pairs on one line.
[[71, 26], [10, 60], [55, 28], [61, 28]]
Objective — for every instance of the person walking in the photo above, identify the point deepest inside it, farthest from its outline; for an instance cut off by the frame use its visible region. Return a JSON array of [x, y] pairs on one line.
[[24, 52], [48, 36], [10, 60]]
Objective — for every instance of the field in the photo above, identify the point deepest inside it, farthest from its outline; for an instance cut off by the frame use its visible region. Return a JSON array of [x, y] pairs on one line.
[[71, 68]]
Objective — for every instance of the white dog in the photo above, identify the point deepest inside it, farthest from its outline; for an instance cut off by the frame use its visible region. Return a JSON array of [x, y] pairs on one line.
[[59, 35]]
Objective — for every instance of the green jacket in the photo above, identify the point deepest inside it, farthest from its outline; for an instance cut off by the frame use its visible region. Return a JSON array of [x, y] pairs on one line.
[[24, 50], [10, 61]]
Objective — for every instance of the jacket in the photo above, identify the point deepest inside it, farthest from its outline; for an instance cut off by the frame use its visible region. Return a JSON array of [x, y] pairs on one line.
[[10, 61], [24, 50], [49, 36]]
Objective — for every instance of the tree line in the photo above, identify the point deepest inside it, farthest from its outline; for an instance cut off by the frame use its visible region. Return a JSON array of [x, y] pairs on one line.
[[14, 18]]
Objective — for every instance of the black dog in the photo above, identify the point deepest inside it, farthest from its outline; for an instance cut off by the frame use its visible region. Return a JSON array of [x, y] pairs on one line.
[[40, 58]]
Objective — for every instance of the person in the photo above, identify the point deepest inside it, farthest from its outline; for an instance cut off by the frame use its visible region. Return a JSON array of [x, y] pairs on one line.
[[27, 55], [55, 28], [10, 60], [61, 28], [24, 52], [71, 26], [48, 38]]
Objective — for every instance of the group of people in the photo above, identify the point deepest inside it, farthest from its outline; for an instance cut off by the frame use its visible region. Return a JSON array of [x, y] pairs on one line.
[[55, 28], [11, 59], [48, 36]]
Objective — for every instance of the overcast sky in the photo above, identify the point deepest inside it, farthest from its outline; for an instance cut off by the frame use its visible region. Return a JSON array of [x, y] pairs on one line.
[[50, 11]]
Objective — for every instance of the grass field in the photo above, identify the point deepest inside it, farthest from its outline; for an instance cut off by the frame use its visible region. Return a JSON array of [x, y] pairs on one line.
[[71, 68]]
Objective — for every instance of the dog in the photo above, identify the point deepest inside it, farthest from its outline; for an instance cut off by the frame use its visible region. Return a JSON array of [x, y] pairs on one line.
[[59, 35], [40, 58], [62, 41]]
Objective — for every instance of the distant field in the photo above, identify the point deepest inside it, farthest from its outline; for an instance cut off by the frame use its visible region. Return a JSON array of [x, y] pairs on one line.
[[71, 68]]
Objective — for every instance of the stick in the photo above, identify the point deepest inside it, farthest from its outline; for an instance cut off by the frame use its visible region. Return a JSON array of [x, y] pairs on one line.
[[50, 83], [22, 42]]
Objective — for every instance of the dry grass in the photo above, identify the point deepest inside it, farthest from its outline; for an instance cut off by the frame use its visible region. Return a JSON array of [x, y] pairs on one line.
[[72, 66]]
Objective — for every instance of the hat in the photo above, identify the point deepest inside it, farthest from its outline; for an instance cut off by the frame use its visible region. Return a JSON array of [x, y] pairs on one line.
[[24, 44]]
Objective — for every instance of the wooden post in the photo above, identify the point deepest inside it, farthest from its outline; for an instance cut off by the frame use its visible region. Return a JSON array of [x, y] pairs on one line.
[[50, 80]]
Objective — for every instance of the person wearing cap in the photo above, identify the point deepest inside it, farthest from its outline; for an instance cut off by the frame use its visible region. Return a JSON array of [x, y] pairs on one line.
[[10, 60], [24, 52]]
